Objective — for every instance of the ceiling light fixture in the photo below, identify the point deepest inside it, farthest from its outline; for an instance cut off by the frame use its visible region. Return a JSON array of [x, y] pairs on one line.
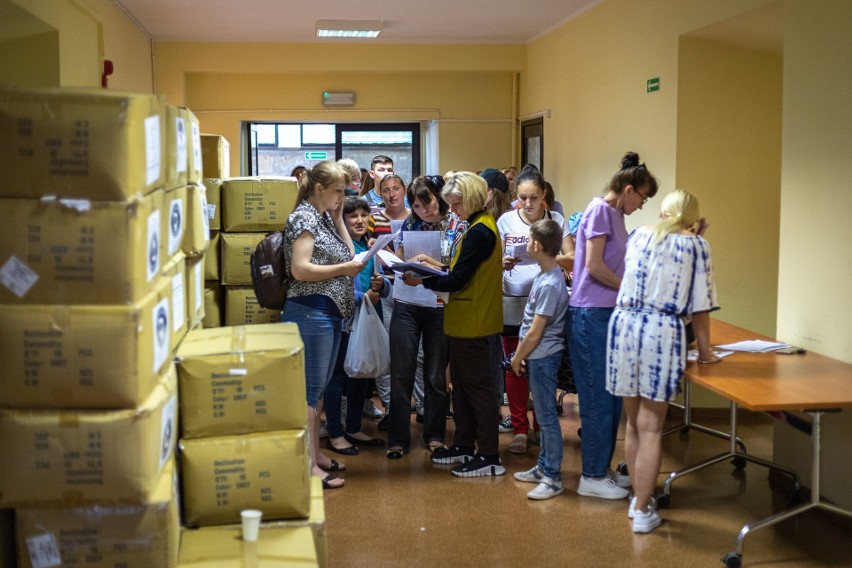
[[349, 28]]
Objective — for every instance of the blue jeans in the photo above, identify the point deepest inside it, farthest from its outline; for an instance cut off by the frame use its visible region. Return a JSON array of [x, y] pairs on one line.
[[320, 333], [600, 412], [542, 373]]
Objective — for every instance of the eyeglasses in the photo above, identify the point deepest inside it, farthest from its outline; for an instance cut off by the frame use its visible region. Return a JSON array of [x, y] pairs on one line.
[[644, 197]]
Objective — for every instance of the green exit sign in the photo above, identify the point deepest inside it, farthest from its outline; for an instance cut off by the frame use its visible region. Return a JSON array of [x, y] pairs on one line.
[[316, 155], [653, 85]]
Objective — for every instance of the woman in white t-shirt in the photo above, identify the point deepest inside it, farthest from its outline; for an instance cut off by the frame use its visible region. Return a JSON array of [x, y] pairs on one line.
[[519, 271]]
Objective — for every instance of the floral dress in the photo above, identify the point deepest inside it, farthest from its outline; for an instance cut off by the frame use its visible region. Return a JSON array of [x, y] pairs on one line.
[[663, 285]]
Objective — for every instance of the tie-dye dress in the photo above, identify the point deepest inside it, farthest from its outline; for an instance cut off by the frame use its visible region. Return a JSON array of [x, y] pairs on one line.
[[663, 285]]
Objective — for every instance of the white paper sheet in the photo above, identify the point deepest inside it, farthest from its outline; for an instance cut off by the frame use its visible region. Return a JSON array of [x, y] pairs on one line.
[[381, 242], [753, 346], [692, 354]]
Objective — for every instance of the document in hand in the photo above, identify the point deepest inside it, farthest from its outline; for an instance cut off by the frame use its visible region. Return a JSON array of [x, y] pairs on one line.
[[381, 242], [419, 268]]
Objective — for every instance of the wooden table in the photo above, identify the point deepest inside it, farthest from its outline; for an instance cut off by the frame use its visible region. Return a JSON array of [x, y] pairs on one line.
[[769, 382]]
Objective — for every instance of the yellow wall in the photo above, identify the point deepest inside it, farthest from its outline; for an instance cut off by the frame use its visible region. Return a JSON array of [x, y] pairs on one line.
[[467, 90], [17, 59]]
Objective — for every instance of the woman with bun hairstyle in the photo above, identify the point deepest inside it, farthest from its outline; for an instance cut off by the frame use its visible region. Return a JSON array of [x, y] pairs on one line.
[[668, 279], [598, 270], [474, 312], [519, 272], [318, 261]]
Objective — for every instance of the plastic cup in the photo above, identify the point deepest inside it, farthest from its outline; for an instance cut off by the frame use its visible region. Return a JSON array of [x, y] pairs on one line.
[[251, 524]]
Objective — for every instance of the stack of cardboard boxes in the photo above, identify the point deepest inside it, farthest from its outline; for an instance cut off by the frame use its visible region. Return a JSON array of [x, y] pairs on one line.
[[244, 443], [96, 295], [249, 208]]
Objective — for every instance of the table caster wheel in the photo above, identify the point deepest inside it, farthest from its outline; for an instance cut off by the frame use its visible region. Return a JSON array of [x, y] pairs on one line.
[[738, 463], [733, 560], [663, 501]]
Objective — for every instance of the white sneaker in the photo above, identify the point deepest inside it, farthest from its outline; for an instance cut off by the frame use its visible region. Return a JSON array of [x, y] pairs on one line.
[[631, 511], [505, 426], [546, 489], [605, 488], [646, 522], [532, 476], [620, 479]]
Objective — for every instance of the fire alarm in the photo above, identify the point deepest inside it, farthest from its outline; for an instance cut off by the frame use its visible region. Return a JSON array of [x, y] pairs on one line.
[[106, 73]]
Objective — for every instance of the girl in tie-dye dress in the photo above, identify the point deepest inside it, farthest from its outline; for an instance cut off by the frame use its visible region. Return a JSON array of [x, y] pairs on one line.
[[668, 278]]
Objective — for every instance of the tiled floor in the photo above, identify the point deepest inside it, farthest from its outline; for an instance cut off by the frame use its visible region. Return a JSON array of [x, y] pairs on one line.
[[410, 512]]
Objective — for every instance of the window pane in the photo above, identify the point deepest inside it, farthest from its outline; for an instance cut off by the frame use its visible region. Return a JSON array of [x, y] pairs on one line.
[[289, 136], [318, 134], [266, 134], [376, 137]]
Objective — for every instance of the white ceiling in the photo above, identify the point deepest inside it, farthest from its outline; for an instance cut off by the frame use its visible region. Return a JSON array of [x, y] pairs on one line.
[[405, 21]]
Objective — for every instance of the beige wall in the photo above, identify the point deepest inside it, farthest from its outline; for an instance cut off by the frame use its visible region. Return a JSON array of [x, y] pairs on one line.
[[30, 61]]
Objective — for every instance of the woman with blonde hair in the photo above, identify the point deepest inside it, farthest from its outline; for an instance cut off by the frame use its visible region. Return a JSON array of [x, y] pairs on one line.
[[350, 166], [318, 261], [668, 279]]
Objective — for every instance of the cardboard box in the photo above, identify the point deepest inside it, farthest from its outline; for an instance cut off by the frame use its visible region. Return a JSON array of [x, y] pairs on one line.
[[85, 356], [215, 156], [211, 257], [225, 548], [214, 202], [69, 457], [195, 291], [239, 380], [104, 536], [80, 252], [176, 147], [175, 219], [235, 253], [316, 522], [197, 236], [175, 272], [97, 144], [213, 300], [241, 307], [267, 471], [195, 169], [257, 204]]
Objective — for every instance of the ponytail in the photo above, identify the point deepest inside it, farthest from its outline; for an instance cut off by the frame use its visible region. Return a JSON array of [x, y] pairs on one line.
[[324, 173], [678, 211]]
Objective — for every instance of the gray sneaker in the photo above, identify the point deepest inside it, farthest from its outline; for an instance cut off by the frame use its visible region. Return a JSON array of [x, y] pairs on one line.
[[532, 476], [603, 487], [621, 479]]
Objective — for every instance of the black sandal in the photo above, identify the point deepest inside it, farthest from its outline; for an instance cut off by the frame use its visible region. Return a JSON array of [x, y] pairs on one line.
[[395, 453], [348, 451], [335, 466], [326, 482]]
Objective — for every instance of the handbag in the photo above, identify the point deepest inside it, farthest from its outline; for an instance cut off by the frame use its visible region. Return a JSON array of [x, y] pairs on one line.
[[368, 354]]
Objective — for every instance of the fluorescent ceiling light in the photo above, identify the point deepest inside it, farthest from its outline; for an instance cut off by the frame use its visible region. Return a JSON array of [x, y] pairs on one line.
[[348, 28]]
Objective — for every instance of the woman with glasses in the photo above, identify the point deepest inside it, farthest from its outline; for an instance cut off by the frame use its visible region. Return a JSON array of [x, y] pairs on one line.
[[598, 270], [519, 271]]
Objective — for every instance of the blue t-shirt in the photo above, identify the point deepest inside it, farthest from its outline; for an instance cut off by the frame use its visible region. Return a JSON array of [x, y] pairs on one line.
[[548, 297]]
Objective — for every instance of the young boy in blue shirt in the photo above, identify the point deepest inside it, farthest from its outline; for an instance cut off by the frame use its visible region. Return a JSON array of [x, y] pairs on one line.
[[539, 354]]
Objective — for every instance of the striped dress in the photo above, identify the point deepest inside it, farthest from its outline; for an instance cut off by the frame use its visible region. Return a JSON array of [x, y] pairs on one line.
[[663, 285]]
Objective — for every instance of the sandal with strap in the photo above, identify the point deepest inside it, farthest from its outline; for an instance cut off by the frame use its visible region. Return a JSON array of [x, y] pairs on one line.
[[433, 446], [326, 482], [335, 466], [395, 453]]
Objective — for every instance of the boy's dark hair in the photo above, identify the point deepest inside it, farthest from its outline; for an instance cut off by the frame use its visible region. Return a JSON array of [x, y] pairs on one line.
[[351, 204], [380, 159], [549, 234]]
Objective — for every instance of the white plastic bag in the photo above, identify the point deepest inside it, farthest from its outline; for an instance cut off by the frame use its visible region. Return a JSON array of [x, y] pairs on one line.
[[368, 354]]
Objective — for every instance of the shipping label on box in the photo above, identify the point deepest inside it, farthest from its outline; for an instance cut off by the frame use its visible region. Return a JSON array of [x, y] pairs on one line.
[[175, 219], [235, 255], [85, 356], [238, 380], [194, 170], [241, 307], [215, 156], [104, 536], [211, 257], [197, 236], [94, 144], [213, 300], [257, 204], [267, 471], [49, 458], [176, 160], [225, 548], [80, 252], [195, 291], [214, 202], [175, 272]]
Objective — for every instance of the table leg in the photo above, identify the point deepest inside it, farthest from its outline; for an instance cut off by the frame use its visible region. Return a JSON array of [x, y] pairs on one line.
[[689, 425]]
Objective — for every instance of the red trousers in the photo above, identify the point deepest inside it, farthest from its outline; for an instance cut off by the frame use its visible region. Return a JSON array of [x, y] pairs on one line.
[[518, 392]]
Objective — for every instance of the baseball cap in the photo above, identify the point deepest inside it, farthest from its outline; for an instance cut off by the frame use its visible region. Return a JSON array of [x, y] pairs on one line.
[[495, 179]]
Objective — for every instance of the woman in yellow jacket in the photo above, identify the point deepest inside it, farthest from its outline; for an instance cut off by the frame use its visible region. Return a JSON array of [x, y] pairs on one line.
[[473, 314]]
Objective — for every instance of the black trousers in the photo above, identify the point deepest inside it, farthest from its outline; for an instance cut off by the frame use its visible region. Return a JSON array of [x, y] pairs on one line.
[[474, 394]]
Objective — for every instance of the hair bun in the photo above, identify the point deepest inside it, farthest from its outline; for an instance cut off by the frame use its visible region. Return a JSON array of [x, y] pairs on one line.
[[630, 160]]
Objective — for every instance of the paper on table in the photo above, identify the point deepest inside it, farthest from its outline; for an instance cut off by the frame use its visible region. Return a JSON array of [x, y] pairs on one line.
[[381, 242], [692, 354], [753, 346]]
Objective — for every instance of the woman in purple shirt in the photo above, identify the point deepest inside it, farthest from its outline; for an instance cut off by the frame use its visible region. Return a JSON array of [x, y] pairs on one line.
[[598, 269]]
